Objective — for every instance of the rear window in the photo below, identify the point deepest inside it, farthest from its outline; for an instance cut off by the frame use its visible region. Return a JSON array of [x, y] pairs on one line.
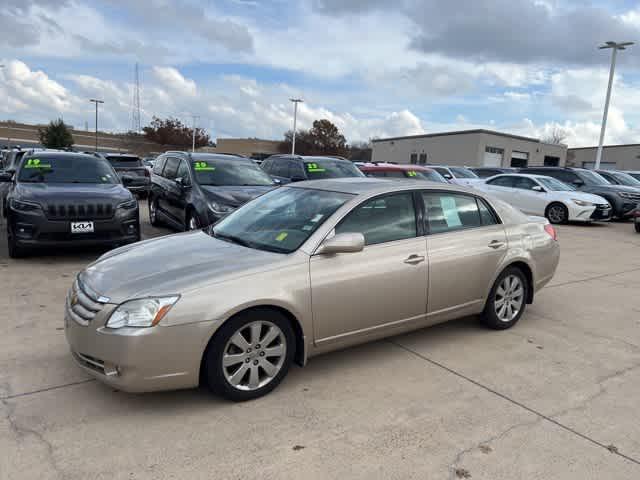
[[66, 169], [122, 161], [330, 168], [462, 172], [230, 172]]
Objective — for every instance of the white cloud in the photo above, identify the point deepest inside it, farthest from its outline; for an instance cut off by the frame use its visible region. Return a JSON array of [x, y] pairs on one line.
[[172, 79]]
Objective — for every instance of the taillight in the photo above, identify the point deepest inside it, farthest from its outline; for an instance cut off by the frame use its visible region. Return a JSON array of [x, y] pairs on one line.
[[551, 231]]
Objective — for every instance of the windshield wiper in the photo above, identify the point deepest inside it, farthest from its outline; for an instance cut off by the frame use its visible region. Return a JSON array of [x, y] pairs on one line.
[[232, 239]]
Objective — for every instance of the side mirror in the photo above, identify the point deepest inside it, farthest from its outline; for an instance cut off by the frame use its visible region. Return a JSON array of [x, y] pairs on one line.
[[182, 182], [578, 183], [537, 188], [448, 176], [6, 177], [277, 181], [342, 243], [127, 180]]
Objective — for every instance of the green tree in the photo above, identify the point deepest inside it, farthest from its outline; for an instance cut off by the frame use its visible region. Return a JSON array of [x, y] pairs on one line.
[[56, 135], [324, 138], [172, 131]]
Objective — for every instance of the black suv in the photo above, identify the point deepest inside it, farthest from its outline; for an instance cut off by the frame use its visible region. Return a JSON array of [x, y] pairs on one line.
[[294, 168], [61, 198], [193, 190], [624, 200], [132, 171]]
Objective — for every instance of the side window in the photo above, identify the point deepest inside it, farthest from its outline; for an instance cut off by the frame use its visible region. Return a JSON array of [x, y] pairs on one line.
[[171, 168], [375, 173], [448, 212], [295, 170], [523, 183], [502, 182], [443, 171], [280, 168], [563, 176], [159, 165], [395, 174], [266, 164], [382, 219], [486, 215], [183, 172]]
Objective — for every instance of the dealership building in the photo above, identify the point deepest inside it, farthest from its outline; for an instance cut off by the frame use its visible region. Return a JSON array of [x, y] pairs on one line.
[[473, 148], [614, 157]]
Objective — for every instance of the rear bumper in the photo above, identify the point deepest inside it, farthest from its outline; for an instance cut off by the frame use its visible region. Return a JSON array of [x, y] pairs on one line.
[[34, 229]]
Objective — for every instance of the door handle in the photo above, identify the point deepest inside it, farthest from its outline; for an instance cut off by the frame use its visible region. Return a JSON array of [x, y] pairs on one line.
[[496, 244], [414, 259]]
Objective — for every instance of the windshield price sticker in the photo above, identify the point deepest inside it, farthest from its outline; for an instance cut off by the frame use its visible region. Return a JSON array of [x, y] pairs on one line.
[[203, 167], [35, 163], [281, 236], [412, 174], [313, 167]]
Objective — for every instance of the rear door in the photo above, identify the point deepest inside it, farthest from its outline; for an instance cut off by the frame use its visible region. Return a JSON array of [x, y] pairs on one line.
[[357, 294], [466, 244], [502, 188], [176, 194], [529, 200], [168, 181]]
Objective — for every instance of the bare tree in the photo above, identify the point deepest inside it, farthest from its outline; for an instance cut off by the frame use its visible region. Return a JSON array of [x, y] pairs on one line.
[[556, 136]]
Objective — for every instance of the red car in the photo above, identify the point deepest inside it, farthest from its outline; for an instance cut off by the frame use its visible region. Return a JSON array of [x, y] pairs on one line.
[[391, 170]]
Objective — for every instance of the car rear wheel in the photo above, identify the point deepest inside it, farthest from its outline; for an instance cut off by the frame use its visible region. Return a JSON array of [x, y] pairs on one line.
[[507, 300], [637, 224], [250, 355], [557, 213]]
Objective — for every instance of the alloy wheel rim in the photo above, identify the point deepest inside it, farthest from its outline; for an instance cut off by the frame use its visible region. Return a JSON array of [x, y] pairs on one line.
[[509, 298], [556, 214], [254, 355]]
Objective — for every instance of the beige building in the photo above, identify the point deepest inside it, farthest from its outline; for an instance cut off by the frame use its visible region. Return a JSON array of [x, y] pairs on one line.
[[614, 157], [248, 147], [471, 148]]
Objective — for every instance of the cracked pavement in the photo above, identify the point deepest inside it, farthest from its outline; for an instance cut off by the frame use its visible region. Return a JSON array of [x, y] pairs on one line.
[[555, 397]]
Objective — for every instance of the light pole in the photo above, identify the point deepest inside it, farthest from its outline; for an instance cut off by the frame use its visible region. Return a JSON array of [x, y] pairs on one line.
[[96, 102], [295, 101], [193, 142], [614, 46]]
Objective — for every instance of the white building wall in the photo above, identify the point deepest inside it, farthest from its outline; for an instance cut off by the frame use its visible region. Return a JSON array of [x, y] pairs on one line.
[[620, 157]]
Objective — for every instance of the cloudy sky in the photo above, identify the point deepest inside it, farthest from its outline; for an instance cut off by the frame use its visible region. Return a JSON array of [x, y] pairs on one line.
[[374, 67]]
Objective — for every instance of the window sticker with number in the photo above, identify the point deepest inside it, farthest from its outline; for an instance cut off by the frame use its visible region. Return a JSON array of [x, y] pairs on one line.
[[281, 236], [36, 163], [411, 173], [314, 167], [450, 211], [203, 167]]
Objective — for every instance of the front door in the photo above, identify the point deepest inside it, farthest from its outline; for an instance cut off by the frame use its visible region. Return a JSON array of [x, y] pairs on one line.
[[466, 245], [528, 200], [386, 283]]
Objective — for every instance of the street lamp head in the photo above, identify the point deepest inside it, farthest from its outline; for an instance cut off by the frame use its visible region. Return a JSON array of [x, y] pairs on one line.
[[96, 101], [296, 100], [616, 45]]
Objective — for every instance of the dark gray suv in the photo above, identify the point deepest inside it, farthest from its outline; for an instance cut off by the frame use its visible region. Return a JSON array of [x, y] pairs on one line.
[[62, 198]]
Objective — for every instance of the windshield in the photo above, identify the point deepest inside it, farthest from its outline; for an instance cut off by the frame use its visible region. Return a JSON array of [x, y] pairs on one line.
[[463, 172], [592, 178], [230, 172], [625, 179], [121, 161], [555, 185], [430, 175], [280, 220], [319, 168], [66, 169]]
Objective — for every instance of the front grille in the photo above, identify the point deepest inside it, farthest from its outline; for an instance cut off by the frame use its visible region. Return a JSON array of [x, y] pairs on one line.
[[632, 196], [79, 211], [82, 305]]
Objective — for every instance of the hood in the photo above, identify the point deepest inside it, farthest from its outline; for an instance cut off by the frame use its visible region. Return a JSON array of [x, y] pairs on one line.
[[44, 193], [609, 188], [172, 265], [582, 195], [234, 195]]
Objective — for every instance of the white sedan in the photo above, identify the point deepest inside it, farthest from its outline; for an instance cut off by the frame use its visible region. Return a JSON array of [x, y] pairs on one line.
[[549, 197], [458, 175]]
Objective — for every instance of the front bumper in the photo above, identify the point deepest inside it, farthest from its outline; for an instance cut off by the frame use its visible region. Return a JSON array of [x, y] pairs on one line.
[[34, 229], [134, 359], [601, 212]]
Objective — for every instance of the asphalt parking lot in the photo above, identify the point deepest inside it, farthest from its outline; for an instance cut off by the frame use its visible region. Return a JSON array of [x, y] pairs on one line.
[[554, 397]]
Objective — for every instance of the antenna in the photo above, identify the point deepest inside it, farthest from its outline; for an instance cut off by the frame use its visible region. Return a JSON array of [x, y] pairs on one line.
[[135, 104]]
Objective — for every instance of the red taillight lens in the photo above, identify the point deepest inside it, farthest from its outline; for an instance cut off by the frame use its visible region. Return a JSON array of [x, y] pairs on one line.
[[551, 231]]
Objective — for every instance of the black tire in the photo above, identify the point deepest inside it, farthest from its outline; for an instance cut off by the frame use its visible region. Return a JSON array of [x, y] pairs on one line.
[[214, 374], [153, 212], [490, 314], [557, 213], [637, 225], [15, 251]]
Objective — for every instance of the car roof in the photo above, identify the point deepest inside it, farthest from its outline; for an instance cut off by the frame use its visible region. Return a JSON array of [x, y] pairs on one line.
[[307, 158], [58, 153], [518, 174], [372, 185], [218, 156], [394, 167], [121, 155]]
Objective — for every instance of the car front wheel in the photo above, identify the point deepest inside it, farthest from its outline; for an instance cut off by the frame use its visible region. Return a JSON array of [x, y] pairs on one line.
[[250, 355], [507, 300], [557, 213], [153, 212]]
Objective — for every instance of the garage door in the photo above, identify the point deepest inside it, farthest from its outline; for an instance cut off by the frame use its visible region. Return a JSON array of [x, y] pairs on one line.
[[519, 159], [493, 157]]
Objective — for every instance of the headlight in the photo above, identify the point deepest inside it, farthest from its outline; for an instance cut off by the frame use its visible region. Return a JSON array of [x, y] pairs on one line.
[[20, 206], [129, 205], [582, 203], [631, 196], [220, 208], [145, 312]]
